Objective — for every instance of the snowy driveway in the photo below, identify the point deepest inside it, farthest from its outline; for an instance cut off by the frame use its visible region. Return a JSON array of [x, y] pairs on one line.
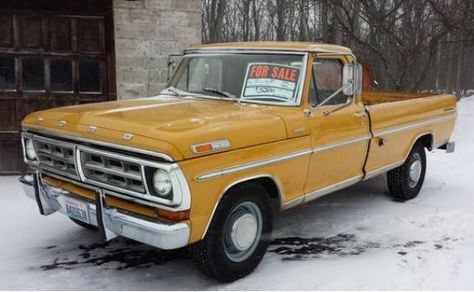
[[355, 239]]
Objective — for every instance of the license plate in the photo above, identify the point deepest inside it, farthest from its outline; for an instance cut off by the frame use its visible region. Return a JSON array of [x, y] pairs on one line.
[[77, 210]]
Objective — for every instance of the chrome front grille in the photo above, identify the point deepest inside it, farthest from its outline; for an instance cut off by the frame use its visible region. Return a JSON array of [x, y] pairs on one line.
[[56, 156], [112, 170], [120, 171]]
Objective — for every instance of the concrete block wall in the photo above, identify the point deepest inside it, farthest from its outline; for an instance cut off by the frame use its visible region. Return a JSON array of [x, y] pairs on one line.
[[146, 32]]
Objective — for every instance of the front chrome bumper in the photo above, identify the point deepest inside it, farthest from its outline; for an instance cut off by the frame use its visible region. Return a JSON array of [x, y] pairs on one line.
[[110, 221]]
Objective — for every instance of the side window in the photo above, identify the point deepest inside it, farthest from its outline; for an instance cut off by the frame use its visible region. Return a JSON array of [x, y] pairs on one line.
[[327, 76]]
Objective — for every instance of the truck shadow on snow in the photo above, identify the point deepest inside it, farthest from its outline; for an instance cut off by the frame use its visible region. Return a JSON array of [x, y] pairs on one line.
[[123, 254], [126, 254], [297, 248], [118, 254]]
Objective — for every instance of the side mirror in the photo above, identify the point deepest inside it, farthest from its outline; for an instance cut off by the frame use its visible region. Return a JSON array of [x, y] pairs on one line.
[[357, 79], [352, 77], [348, 79]]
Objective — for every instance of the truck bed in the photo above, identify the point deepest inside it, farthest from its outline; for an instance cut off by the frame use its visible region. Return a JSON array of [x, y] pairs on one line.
[[398, 119], [373, 97]]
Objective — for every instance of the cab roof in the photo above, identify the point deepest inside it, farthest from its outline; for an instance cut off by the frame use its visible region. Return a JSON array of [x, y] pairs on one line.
[[273, 45]]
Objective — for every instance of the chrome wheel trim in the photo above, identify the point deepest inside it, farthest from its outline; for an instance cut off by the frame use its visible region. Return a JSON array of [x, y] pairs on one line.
[[415, 170], [242, 231]]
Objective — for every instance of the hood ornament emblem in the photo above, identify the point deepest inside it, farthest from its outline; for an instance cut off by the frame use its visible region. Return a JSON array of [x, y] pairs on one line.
[[127, 136]]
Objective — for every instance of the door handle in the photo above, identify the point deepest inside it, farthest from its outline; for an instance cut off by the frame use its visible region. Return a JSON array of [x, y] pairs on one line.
[[361, 114]]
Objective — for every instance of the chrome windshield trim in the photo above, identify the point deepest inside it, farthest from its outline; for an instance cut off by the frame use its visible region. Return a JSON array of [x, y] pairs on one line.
[[33, 130], [246, 166], [304, 69], [409, 126], [223, 51]]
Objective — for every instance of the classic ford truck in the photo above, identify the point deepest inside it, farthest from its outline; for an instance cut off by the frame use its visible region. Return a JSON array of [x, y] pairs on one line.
[[241, 131]]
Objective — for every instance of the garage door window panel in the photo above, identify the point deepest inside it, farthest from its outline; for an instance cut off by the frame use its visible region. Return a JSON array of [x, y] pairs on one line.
[[61, 75], [90, 76], [33, 74], [7, 73], [31, 32], [60, 34], [6, 31]]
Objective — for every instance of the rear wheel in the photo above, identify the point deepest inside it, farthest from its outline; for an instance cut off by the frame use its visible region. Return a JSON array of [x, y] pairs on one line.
[[238, 235], [85, 225], [405, 181]]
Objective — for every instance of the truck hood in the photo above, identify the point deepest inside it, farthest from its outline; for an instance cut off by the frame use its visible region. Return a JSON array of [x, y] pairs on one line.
[[180, 122]]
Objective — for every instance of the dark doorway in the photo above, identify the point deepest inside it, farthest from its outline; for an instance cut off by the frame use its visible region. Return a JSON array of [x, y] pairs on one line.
[[52, 53]]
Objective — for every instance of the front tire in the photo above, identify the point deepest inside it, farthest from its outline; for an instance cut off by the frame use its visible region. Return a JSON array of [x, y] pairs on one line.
[[238, 235], [405, 181]]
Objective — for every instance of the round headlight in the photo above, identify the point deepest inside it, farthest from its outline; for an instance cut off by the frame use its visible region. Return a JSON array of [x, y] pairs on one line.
[[162, 183], [30, 150]]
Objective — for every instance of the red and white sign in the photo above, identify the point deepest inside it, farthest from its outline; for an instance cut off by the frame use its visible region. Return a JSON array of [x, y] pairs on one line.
[[271, 80]]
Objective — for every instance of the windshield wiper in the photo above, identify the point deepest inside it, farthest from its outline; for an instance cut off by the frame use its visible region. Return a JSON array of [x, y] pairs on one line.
[[222, 93]]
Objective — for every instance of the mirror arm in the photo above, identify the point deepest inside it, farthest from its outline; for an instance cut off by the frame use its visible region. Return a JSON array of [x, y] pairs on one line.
[[332, 96], [171, 63], [327, 113]]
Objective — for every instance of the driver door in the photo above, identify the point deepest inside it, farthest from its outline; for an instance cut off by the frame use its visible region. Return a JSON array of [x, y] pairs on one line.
[[339, 132]]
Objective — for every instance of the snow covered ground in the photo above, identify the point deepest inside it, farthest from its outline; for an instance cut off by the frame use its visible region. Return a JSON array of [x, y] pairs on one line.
[[358, 238]]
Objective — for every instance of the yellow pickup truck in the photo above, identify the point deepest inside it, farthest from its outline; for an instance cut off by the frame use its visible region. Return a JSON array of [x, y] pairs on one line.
[[241, 132]]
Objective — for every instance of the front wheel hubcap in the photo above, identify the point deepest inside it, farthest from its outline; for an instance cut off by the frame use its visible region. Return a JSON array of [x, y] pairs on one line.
[[243, 230], [415, 170]]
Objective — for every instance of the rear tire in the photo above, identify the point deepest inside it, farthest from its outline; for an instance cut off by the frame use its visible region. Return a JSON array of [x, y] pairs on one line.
[[405, 181], [85, 225], [238, 235]]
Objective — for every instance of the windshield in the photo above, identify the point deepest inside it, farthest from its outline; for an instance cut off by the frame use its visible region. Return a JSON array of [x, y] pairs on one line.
[[262, 78]]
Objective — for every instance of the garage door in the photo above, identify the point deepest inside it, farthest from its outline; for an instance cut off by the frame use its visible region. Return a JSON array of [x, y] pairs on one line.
[[49, 59]]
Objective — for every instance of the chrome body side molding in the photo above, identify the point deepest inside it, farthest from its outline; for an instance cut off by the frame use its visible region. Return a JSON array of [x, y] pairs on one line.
[[410, 126], [332, 188], [322, 192], [341, 144], [383, 169], [264, 162], [246, 166]]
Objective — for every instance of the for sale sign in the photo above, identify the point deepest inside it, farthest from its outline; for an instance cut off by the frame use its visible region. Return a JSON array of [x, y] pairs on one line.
[[271, 81]]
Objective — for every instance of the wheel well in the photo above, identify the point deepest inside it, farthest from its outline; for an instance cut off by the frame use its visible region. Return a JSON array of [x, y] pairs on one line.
[[269, 184], [426, 141]]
